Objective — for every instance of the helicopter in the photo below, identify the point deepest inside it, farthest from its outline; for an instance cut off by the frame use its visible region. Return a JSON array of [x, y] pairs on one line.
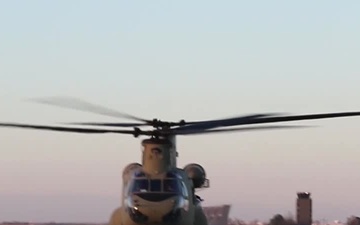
[[157, 191]]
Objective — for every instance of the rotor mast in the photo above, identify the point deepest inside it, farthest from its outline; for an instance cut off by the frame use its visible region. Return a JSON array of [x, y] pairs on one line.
[[159, 154]]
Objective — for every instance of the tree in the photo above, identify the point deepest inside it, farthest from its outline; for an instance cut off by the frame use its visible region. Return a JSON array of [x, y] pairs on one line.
[[277, 220], [280, 220]]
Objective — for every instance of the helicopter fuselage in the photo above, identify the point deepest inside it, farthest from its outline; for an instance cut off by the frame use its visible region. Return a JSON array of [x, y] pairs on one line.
[[157, 192]]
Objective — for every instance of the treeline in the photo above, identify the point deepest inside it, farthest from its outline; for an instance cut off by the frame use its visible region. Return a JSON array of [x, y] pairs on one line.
[[281, 220], [276, 220]]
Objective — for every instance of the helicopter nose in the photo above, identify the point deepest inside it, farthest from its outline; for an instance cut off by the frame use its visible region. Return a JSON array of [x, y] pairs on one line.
[[173, 216], [168, 211], [137, 216], [154, 216]]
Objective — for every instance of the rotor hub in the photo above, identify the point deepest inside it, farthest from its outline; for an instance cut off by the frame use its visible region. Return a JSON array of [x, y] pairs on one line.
[[156, 123]]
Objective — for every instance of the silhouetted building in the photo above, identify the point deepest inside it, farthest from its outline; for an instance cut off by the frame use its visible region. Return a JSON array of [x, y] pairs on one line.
[[304, 208], [217, 215], [15, 223]]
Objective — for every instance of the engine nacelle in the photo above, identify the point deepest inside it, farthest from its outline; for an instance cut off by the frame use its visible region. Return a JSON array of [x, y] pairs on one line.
[[197, 174], [129, 170]]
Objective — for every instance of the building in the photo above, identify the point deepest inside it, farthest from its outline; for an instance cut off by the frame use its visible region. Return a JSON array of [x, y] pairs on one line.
[[15, 223], [217, 215], [304, 208]]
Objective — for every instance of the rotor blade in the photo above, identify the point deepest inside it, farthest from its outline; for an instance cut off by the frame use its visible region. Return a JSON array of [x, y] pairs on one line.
[[251, 116], [69, 129], [81, 105], [198, 132], [209, 124], [142, 124], [105, 124], [260, 120], [110, 124]]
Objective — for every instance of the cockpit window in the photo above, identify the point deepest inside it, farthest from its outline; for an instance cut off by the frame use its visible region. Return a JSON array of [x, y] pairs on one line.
[[172, 185], [140, 185], [167, 185], [155, 185]]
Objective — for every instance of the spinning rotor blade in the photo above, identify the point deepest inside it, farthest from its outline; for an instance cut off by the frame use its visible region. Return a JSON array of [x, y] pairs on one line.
[[111, 124], [251, 116], [81, 105], [169, 123], [72, 129], [209, 124], [198, 132], [259, 120]]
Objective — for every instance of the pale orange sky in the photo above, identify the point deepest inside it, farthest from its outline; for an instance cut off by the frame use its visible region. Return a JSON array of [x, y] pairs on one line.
[[195, 61]]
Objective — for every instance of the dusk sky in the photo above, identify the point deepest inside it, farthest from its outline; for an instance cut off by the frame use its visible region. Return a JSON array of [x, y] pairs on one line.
[[189, 60]]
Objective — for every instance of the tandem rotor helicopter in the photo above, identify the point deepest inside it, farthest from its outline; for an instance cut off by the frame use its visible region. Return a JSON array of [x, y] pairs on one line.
[[157, 192]]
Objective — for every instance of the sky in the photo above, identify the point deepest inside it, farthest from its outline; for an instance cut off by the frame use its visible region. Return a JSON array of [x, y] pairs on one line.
[[192, 60]]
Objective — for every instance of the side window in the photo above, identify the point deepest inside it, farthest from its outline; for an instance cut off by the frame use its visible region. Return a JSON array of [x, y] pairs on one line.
[[184, 190]]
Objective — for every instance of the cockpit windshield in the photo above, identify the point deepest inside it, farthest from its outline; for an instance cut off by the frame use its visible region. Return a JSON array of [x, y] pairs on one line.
[[170, 184]]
